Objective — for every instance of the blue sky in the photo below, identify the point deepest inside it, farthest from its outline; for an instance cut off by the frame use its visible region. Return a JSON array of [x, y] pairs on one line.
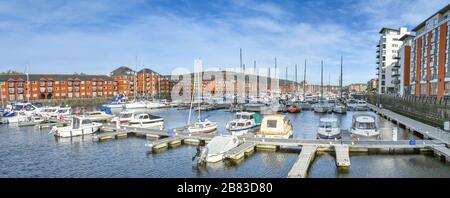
[[53, 36]]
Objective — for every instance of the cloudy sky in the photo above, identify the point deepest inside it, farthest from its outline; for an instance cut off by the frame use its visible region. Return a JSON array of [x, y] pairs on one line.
[[53, 36]]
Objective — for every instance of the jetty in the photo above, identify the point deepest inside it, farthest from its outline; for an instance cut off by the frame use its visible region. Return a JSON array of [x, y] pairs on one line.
[[160, 139]]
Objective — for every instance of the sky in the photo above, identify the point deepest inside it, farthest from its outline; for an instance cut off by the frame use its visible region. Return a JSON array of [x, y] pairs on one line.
[[97, 36]]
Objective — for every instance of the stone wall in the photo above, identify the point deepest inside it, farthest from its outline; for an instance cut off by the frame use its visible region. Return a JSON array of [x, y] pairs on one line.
[[429, 110], [73, 102]]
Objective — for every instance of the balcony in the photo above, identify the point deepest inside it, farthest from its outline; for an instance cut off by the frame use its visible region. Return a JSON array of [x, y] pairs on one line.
[[378, 45], [396, 81], [378, 56], [396, 57], [395, 74], [378, 62]]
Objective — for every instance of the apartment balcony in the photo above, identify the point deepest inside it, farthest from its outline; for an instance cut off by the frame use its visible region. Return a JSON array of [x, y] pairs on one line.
[[396, 57], [378, 50], [378, 56], [395, 81], [395, 74], [378, 62]]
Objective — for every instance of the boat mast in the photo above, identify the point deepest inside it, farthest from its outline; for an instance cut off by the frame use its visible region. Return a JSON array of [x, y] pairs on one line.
[[199, 92], [28, 85], [321, 80], [295, 83], [340, 80], [304, 83], [135, 80]]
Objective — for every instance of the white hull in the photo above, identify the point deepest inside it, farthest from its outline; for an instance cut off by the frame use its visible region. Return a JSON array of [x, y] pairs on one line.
[[154, 125], [324, 134], [68, 132], [322, 109], [114, 106], [281, 136], [135, 106], [214, 158], [202, 130]]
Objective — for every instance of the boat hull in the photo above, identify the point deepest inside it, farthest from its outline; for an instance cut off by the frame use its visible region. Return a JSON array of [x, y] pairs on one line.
[[66, 132]]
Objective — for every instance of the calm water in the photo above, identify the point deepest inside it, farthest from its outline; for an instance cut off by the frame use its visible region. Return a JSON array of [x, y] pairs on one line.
[[30, 152]]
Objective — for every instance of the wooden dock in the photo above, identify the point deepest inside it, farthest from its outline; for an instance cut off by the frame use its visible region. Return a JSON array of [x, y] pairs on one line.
[[342, 155], [426, 130], [164, 143], [240, 151], [300, 168]]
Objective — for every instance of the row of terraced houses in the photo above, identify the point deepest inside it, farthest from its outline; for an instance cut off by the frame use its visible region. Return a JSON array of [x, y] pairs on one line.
[[416, 63]]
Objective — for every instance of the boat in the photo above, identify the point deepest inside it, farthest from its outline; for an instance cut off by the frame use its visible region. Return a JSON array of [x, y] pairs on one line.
[[49, 112], [364, 127], [329, 129], [215, 150], [203, 125], [63, 112], [361, 105], [352, 104], [243, 122], [339, 108], [135, 105], [14, 117], [117, 102], [294, 109], [254, 107], [124, 117], [322, 107], [146, 120], [97, 116], [275, 126], [155, 105], [32, 121], [303, 105], [78, 126]]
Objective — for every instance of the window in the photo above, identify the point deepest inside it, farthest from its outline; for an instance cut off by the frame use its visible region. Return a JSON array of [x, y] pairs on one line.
[[19, 90], [433, 89], [34, 82], [42, 90], [56, 82], [11, 90], [19, 84], [447, 89], [50, 90], [69, 83], [11, 84], [271, 124], [50, 83], [42, 83], [394, 45], [423, 89]]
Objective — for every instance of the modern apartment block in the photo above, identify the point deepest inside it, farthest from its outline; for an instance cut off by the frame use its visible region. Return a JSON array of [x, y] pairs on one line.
[[430, 70], [387, 59]]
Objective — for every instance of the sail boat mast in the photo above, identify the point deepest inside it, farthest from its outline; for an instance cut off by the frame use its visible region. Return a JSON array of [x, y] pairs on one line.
[[340, 80], [321, 80], [304, 83]]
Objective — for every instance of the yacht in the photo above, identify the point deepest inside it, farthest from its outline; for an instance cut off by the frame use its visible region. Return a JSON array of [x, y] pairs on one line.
[[14, 117], [117, 102], [322, 107], [364, 127], [243, 122], [329, 129], [215, 150], [340, 108], [275, 126], [203, 126], [351, 104], [96, 116], [146, 120], [135, 105], [49, 112], [78, 126], [361, 105]]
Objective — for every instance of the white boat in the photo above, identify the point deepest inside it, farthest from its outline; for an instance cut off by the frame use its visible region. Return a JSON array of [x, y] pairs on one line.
[[96, 116], [14, 117], [215, 150], [202, 125], [78, 126], [146, 120], [117, 102], [329, 129], [322, 107], [155, 105], [339, 108], [135, 105], [361, 105], [364, 127], [124, 117], [243, 122], [352, 104], [63, 112], [31, 121], [275, 126]]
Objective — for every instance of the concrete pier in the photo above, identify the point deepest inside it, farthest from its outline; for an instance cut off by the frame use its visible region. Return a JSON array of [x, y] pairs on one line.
[[300, 168], [342, 155], [240, 151], [164, 143]]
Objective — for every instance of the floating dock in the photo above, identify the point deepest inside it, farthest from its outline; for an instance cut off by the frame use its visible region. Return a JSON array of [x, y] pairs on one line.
[[342, 155], [300, 168], [240, 151]]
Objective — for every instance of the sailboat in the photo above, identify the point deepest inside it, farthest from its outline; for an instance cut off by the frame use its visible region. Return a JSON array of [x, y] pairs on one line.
[[340, 108], [135, 104], [203, 125], [322, 107]]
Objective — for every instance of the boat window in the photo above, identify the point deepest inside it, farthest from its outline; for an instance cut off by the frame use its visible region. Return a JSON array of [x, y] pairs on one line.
[[328, 125], [245, 117], [233, 124], [238, 116], [248, 123], [365, 125], [126, 115], [271, 123], [251, 116], [86, 122], [76, 123], [241, 124], [145, 117]]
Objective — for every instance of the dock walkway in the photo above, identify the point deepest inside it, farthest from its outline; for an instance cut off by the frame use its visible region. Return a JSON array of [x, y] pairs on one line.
[[342, 155], [240, 151], [300, 168]]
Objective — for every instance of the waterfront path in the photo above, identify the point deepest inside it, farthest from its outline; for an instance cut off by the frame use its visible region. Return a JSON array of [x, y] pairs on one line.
[[426, 130]]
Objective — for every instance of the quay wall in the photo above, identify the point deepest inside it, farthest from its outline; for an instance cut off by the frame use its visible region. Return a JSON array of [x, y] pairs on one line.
[[429, 110], [73, 101]]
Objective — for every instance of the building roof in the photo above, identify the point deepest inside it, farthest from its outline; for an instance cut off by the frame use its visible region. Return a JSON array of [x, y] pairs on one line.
[[385, 28], [147, 70], [441, 11], [122, 71], [57, 77], [404, 37]]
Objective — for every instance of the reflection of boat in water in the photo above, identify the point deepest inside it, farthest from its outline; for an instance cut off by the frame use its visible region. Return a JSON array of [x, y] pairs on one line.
[[364, 127], [275, 126], [78, 126], [243, 122], [215, 150], [328, 129]]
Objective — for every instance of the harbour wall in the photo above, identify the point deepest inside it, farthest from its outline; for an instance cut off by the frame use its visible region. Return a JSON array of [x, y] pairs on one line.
[[73, 101], [426, 109]]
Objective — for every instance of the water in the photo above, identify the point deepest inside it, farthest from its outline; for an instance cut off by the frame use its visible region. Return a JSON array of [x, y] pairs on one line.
[[30, 152]]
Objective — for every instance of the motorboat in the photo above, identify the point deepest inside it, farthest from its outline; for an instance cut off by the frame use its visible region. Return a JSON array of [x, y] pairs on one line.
[[31, 121], [117, 102], [322, 107], [97, 116], [78, 126], [303, 105], [329, 129], [364, 127], [63, 112], [135, 105], [275, 126], [215, 150], [339, 108], [146, 120], [155, 105], [124, 117], [254, 107], [294, 109], [243, 122], [49, 112], [14, 117], [361, 105], [352, 104]]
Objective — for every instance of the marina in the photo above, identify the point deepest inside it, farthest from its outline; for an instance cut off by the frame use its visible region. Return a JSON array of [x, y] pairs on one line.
[[156, 142]]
